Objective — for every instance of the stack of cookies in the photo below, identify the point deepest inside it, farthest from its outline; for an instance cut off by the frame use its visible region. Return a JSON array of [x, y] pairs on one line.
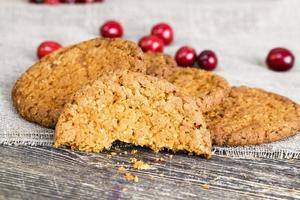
[[105, 90]]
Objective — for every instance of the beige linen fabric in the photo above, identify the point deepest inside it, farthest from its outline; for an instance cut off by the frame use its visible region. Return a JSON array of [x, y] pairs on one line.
[[240, 31]]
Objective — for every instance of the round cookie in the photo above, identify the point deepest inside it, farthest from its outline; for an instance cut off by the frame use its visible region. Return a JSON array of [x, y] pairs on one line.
[[208, 88], [133, 108], [253, 116], [159, 64], [41, 92]]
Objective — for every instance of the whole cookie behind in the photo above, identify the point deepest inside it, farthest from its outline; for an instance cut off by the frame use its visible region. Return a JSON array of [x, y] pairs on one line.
[[253, 116], [159, 64], [41, 92], [132, 108], [207, 88]]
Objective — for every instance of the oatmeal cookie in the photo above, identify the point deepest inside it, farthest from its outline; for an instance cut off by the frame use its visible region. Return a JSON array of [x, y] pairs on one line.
[[133, 108], [41, 92], [159, 64], [253, 116], [208, 88]]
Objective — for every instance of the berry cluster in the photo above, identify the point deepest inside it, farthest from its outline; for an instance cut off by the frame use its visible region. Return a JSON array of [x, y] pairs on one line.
[[186, 56], [161, 35], [53, 2]]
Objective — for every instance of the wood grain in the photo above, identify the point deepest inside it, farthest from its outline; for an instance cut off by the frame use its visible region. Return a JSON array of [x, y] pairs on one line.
[[48, 173]]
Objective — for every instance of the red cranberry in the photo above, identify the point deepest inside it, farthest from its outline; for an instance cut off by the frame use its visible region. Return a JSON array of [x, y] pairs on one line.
[[52, 2], [151, 43], [280, 59], [47, 47], [164, 31], [185, 56], [111, 29], [207, 60]]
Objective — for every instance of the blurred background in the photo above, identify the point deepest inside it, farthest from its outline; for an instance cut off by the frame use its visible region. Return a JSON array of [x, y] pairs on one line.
[[241, 32]]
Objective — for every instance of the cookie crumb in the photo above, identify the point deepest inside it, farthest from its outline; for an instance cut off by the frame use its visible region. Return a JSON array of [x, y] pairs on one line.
[[139, 164], [159, 159], [113, 153], [124, 152], [125, 190], [133, 160], [108, 156], [205, 186], [134, 151], [121, 169], [292, 190], [130, 177]]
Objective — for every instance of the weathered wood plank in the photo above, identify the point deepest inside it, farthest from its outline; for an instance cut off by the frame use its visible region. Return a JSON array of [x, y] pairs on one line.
[[48, 173]]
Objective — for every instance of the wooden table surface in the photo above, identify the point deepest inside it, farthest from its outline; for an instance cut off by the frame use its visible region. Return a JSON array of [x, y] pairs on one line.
[[48, 173]]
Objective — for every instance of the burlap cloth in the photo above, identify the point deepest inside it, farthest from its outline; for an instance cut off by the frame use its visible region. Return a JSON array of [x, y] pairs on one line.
[[240, 31]]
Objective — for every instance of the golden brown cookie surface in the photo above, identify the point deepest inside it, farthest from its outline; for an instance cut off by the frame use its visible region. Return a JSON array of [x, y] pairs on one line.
[[41, 92], [210, 89], [253, 116], [132, 108], [159, 65]]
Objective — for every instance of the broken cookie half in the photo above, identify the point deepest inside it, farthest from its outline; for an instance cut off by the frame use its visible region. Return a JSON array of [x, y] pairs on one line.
[[133, 108]]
